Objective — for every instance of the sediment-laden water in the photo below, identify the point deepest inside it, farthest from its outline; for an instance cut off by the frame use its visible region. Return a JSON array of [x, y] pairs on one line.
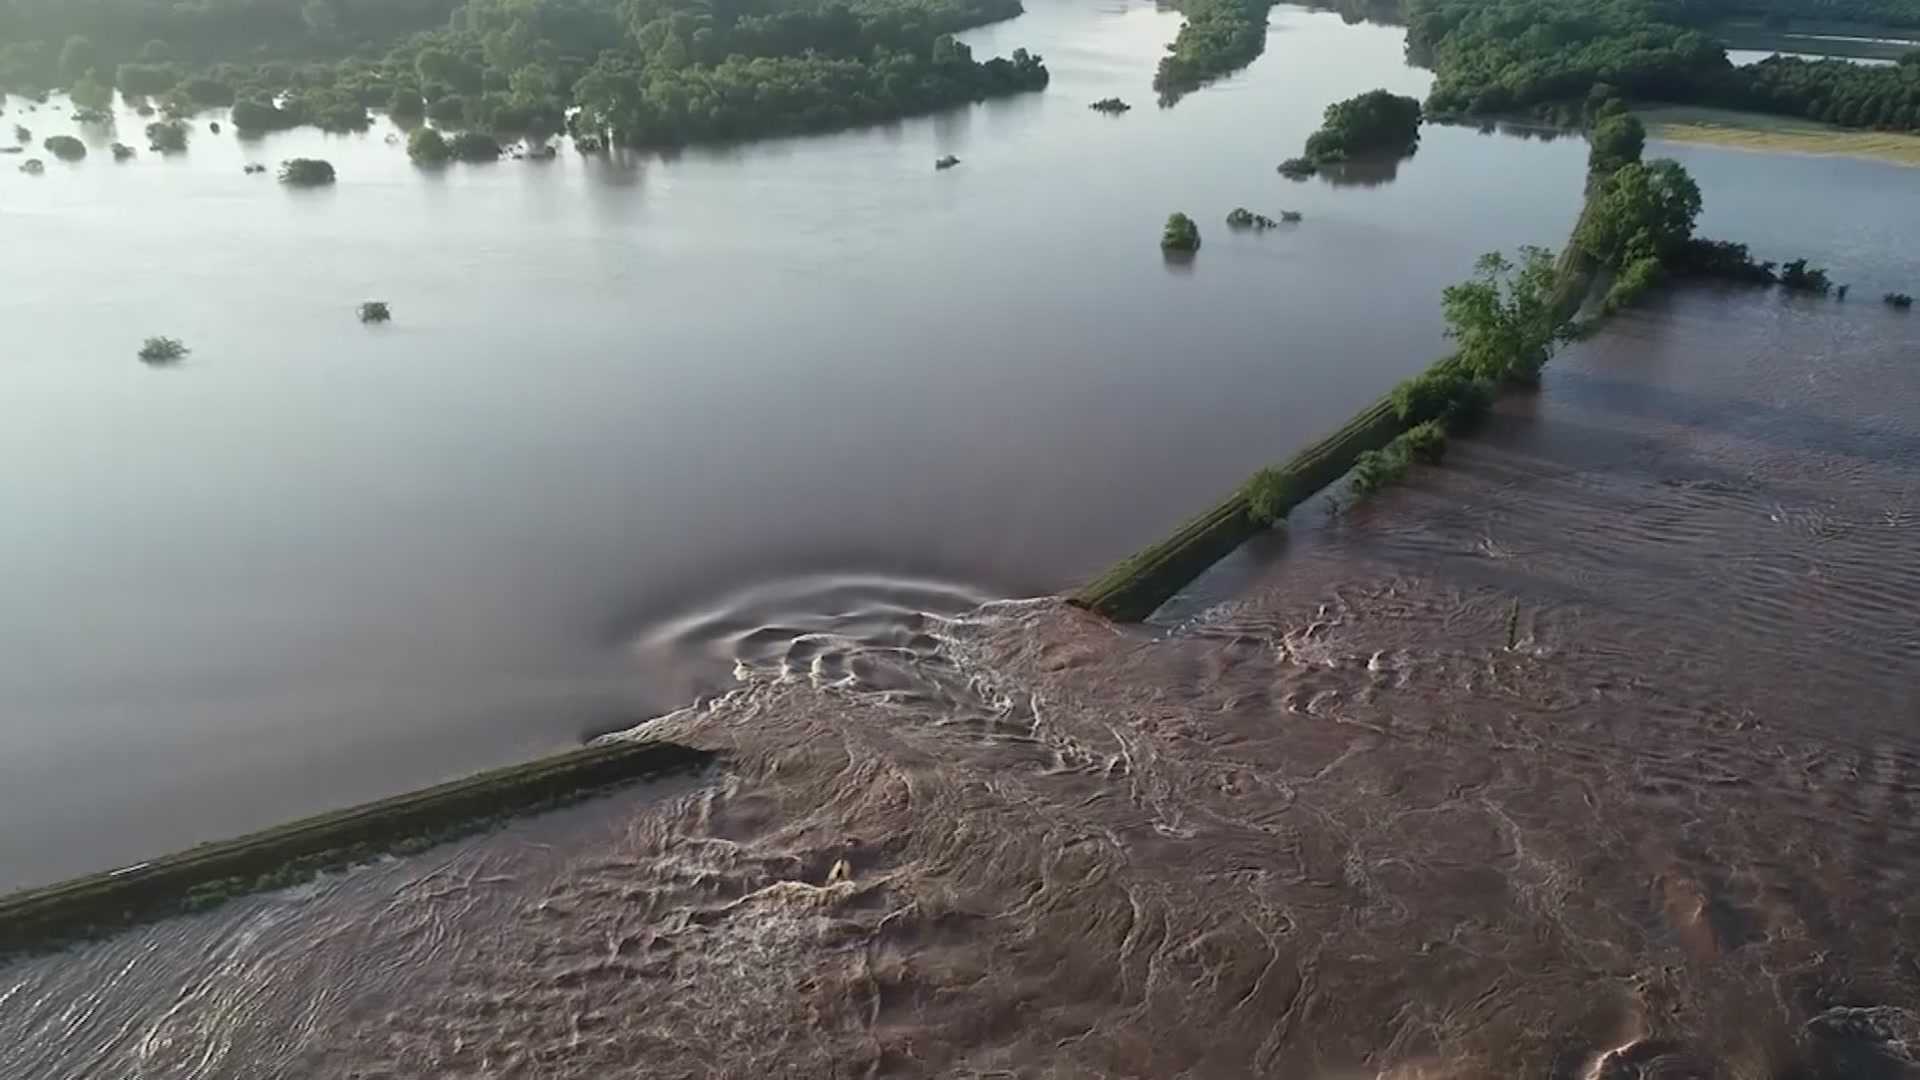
[[1591, 754]]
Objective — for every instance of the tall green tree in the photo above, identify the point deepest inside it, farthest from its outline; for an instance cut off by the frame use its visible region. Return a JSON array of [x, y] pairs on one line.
[[1502, 317], [1644, 210]]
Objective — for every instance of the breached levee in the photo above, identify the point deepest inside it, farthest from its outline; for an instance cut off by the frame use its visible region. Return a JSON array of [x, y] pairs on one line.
[[1136, 586], [36, 919]]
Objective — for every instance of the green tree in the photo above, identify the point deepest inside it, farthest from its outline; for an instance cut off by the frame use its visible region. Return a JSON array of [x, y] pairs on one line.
[[1180, 235], [1502, 318], [427, 146], [90, 94], [306, 172], [66, 147], [1617, 140], [1644, 210], [77, 57]]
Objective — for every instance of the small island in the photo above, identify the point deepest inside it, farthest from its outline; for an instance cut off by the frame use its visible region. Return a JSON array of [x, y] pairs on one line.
[[65, 147], [1376, 124], [306, 172], [1112, 106], [162, 350], [947, 162], [1181, 236], [375, 311]]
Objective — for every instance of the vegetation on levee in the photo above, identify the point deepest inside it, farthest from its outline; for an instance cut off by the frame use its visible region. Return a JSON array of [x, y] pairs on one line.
[[1504, 56], [306, 172], [1181, 235], [209, 874], [1112, 106], [1216, 37], [163, 350], [167, 136], [642, 72], [375, 311], [1774, 134], [65, 147], [1898, 300]]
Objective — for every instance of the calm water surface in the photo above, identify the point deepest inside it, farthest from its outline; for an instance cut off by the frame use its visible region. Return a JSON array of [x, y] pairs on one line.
[[639, 416]]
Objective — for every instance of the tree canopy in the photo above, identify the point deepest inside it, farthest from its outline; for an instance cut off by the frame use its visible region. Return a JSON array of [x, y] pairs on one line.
[[1376, 122], [1217, 37], [637, 71], [1644, 210]]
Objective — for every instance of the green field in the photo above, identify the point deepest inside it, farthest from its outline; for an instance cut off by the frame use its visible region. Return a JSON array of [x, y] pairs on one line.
[[1775, 134]]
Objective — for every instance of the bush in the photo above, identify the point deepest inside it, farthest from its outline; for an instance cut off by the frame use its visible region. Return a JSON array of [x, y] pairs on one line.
[[306, 172], [1180, 234], [474, 146], [1445, 393], [375, 311], [1636, 278], [1375, 469], [1269, 494], [167, 137], [1798, 277], [1298, 168], [427, 147], [162, 350], [1243, 218], [122, 152], [1898, 299], [65, 147], [1426, 442]]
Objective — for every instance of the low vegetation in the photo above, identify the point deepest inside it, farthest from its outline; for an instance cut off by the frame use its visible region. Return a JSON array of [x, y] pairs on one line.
[[167, 137], [1898, 299], [475, 146], [1181, 235], [1112, 106], [1797, 276], [1242, 218], [162, 350], [122, 152], [427, 146], [306, 172], [65, 147]]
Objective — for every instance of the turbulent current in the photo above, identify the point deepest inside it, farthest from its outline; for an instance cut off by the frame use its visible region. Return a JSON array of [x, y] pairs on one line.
[[1590, 755]]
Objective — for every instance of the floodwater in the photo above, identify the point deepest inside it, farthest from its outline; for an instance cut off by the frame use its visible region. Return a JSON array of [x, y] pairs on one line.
[[638, 416], [1590, 754]]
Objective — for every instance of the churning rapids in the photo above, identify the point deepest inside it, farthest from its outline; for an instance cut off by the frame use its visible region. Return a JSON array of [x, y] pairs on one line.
[[1588, 755]]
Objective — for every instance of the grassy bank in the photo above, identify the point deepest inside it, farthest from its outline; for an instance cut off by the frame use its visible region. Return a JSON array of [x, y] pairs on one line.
[[199, 877], [1776, 134]]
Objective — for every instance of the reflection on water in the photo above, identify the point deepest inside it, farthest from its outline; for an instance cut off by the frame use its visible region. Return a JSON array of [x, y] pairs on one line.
[[1587, 755], [320, 563]]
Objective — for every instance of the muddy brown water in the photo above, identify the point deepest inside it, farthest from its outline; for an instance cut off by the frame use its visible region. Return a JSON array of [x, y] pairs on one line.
[[1590, 754]]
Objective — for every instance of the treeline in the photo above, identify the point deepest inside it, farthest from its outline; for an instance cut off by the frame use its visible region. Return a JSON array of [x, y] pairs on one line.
[[1554, 56], [1217, 37], [643, 72]]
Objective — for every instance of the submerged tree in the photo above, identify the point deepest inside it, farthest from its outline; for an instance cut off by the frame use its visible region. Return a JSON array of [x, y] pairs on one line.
[[427, 147], [1181, 235], [306, 172], [65, 147], [474, 146], [167, 136], [375, 311], [162, 350]]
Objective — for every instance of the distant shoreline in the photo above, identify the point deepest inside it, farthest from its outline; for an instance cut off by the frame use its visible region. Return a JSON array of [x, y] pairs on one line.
[[1776, 134]]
